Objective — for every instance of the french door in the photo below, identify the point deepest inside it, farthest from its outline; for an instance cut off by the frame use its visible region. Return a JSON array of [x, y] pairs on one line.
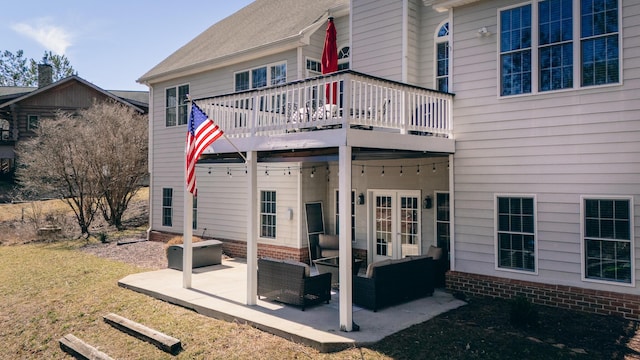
[[396, 224]]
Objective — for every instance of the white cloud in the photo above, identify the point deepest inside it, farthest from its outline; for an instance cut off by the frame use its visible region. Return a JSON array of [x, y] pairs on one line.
[[54, 38]]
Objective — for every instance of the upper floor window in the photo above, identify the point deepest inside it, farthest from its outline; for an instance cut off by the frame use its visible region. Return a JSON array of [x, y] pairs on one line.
[[343, 58], [176, 105], [539, 50], [516, 239], [314, 67], [442, 57], [607, 239], [259, 77], [32, 122]]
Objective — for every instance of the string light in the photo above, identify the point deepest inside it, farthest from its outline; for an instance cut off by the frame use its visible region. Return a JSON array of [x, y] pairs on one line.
[[434, 167], [313, 171], [401, 170], [362, 171], [418, 172], [382, 174], [266, 171]]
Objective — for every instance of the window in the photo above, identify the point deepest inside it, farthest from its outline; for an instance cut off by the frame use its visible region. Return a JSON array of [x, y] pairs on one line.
[[268, 214], [314, 67], [194, 213], [515, 50], [353, 215], [5, 129], [167, 206], [343, 58], [442, 57], [608, 249], [260, 77], [443, 222], [176, 105], [599, 36], [32, 122], [516, 233], [539, 50]]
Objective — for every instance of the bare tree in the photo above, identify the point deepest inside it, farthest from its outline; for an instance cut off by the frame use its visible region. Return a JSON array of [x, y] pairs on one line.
[[55, 163], [119, 161], [95, 161]]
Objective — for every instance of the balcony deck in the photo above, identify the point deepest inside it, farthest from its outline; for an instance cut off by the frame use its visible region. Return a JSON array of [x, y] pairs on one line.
[[342, 108]]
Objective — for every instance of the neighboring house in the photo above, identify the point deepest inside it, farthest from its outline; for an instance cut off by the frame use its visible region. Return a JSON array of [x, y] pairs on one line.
[[22, 108], [529, 177]]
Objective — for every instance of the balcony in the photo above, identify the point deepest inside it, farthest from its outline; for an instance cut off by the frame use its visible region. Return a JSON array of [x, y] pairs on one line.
[[358, 105]]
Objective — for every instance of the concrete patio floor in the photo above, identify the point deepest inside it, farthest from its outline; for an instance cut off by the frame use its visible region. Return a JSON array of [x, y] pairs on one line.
[[220, 292]]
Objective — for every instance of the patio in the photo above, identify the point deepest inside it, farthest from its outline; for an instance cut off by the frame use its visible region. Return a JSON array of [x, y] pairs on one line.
[[220, 292]]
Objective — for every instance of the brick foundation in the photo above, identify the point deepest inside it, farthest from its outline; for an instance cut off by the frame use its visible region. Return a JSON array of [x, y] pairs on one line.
[[238, 249], [567, 297]]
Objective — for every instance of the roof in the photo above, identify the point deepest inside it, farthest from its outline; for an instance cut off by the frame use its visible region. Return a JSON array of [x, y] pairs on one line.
[[259, 25], [8, 100], [11, 90]]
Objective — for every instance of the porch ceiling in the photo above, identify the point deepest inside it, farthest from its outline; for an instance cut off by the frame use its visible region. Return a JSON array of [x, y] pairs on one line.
[[322, 154]]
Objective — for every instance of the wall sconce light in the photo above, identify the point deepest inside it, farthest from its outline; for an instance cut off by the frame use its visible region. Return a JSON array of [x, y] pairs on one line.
[[426, 203], [289, 214], [361, 199]]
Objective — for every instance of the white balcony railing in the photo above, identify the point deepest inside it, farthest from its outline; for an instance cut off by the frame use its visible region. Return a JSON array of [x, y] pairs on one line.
[[341, 100]]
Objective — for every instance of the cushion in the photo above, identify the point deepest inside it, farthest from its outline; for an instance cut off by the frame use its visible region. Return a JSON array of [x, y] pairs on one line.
[[328, 241], [434, 252], [372, 266], [295, 262]]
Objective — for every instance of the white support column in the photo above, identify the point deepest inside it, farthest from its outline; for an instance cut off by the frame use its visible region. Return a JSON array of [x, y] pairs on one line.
[[252, 228], [345, 255]]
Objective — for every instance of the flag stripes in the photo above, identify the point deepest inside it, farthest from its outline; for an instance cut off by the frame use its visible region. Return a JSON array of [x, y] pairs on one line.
[[201, 133]]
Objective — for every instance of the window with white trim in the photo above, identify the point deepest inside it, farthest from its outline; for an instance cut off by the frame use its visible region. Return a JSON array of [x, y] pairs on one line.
[[314, 67], [259, 77], [176, 105], [442, 57], [540, 50], [268, 214], [343, 58], [516, 240], [607, 239], [167, 207], [443, 222], [353, 214]]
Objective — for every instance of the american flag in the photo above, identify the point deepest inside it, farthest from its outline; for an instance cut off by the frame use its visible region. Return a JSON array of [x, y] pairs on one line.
[[201, 133]]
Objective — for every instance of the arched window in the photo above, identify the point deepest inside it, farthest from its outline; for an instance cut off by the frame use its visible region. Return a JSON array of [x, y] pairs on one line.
[[343, 58], [442, 57]]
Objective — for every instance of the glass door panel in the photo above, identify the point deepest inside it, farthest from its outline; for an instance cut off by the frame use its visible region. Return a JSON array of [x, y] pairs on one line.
[[409, 225], [383, 247]]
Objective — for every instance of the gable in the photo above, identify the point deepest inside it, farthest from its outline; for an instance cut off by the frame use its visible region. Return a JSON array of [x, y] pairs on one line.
[[69, 95]]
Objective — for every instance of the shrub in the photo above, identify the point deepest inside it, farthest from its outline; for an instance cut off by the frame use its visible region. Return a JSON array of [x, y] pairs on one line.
[[523, 313]]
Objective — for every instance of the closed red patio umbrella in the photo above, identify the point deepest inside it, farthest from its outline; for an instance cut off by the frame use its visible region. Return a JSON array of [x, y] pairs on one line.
[[330, 59]]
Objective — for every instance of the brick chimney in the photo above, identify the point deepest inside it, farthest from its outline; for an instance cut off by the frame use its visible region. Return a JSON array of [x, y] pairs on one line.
[[45, 75]]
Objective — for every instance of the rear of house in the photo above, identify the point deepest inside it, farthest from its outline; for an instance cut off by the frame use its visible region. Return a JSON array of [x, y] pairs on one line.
[[528, 178]]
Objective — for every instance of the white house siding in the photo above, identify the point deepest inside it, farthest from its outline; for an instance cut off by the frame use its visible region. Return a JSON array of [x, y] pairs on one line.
[[427, 182], [377, 38], [556, 146], [222, 201]]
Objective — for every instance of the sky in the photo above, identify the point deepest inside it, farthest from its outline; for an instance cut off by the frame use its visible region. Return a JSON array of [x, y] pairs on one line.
[[109, 43]]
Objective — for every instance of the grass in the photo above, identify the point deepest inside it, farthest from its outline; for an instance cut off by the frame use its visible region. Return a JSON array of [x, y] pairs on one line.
[[48, 290]]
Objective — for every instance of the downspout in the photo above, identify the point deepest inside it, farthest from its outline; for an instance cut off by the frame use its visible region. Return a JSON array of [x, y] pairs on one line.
[[150, 161]]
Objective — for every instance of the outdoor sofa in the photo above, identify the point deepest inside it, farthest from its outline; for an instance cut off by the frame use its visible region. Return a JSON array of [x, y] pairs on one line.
[[390, 282], [290, 282]]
